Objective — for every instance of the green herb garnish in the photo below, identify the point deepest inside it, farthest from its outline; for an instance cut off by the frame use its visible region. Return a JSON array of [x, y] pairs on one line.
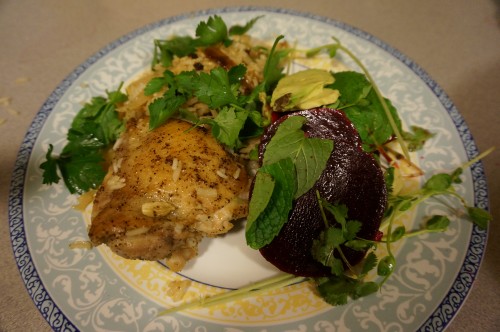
[[292, 164], [94, 129], [388, 110], [208, 33]]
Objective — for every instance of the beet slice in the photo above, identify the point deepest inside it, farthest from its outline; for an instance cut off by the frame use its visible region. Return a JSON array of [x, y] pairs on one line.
[[352, 177]]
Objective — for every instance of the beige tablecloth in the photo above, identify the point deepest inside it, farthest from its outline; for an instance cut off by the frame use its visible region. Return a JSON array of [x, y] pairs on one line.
[[456, 41]]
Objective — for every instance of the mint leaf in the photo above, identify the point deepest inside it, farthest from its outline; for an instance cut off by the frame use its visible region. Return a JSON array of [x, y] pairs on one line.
[[263, 188], [310, 162], [309, 155], [269, 222]]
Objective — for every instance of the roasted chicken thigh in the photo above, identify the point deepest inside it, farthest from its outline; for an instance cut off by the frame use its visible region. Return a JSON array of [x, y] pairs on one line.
[[165, 190]]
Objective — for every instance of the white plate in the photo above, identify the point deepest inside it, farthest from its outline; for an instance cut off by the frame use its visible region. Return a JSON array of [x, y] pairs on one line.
[[97, 291]]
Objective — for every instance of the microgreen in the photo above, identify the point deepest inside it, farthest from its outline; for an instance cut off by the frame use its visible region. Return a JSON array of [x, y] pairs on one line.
[[327, 249], [417, 137], [388, 110]]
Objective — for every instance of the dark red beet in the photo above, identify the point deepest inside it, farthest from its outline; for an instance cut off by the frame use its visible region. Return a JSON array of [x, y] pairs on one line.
[[352, 177]]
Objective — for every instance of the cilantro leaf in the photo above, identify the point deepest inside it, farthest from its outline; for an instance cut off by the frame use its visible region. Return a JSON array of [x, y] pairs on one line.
[[49, 167], [212, 32], [161, 109], [82, 172], [208, 33], [226, 126], [324, 246], [215, 90], [352, 227], [155, 85], [98, 119], [236, 74], [242, 29], [336, 290], [165, 50], [95, 127], [369, 264]]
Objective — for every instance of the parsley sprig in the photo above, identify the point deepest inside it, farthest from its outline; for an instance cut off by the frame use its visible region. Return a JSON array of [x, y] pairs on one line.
[[239, 116], [327, 249], [208, 33], [94, 129]]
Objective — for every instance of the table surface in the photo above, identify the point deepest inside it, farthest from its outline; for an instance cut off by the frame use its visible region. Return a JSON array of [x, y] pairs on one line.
[[456, 41]]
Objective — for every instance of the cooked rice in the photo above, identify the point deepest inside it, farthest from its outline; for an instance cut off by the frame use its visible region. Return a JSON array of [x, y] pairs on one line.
[[244, 50]]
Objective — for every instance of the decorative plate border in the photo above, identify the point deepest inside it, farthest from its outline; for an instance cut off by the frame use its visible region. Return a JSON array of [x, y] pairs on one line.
[[438, 320]]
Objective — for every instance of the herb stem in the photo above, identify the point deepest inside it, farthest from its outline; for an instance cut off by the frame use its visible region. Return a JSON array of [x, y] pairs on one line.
[[395, 128], [345, 260], [477, 158], [279, 281], [321, 209]]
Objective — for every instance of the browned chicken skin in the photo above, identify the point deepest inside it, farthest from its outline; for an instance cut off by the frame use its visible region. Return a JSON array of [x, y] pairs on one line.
[[165, 190]]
